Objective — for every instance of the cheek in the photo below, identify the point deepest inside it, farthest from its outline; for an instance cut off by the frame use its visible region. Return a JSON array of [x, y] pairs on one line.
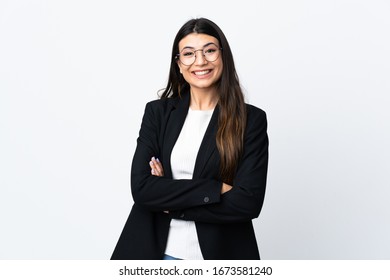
[[186, 74], [184, 69], [220, 66], [220, 70]]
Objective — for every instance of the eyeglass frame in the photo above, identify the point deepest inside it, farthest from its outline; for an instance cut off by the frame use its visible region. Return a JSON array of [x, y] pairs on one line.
[[177, 56]]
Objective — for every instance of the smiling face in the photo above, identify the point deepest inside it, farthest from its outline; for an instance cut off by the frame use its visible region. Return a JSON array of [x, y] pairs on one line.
[[202, 74]]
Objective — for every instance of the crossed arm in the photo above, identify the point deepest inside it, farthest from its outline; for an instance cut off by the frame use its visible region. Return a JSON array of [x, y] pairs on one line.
[[202, 199], [158, 170]]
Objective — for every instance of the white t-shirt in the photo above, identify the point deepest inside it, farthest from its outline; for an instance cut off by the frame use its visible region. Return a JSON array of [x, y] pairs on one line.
[[182, 238]]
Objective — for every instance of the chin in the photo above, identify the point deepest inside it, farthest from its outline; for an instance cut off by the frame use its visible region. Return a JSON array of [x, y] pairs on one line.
[[203, 86]]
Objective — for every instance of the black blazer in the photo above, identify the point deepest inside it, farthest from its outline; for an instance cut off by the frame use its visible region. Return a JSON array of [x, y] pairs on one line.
[[223, 222]]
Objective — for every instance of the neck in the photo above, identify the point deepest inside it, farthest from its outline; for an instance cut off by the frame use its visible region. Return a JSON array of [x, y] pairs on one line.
[[203, 99]]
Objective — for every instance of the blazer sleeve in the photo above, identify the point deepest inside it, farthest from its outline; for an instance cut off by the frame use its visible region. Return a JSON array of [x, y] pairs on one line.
[[244, 201], [161, 193]]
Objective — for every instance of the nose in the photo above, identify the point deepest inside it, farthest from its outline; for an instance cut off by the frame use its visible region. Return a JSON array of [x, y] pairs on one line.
[[199, 58]]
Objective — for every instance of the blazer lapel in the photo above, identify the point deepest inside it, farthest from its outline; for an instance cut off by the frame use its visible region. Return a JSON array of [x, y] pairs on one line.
[[208, 145], [172, 132], [173, 128]]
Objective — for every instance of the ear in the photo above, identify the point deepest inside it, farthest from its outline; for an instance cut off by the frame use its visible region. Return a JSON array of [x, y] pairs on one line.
[[178, 64]]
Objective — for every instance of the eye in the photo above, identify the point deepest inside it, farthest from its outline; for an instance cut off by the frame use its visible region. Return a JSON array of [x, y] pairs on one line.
[[210, 50], [187, 53]]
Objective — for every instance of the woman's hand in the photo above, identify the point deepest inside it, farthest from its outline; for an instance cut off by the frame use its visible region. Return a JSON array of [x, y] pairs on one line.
[[157, 170], [225, 188], [156, 167]]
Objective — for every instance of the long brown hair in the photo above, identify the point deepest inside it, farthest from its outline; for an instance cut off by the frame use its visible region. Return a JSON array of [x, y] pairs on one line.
[[232, 108]]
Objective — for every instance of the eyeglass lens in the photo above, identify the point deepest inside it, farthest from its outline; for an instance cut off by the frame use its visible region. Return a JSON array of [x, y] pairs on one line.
[[188, 55]]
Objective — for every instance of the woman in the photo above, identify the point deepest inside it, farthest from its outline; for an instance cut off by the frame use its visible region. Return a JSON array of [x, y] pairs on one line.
[[199, 170]]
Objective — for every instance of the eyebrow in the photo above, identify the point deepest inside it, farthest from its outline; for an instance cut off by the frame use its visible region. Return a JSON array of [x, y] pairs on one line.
[[189, 47]]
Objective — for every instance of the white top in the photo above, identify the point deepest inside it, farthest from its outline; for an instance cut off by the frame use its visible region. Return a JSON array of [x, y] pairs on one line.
[[182, 238]]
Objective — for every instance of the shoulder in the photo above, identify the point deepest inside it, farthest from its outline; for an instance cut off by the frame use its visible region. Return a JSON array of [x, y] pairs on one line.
[[255, 114], [256, 120], [256, 125], [160, 106], [161, 103]]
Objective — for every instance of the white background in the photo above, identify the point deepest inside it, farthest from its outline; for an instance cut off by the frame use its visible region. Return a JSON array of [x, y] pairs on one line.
[[75, 77]]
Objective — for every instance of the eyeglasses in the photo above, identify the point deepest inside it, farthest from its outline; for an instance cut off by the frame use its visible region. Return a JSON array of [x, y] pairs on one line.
[[188, 55]]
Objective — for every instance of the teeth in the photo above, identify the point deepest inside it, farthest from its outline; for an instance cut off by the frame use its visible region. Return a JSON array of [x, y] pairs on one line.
[[202, 72]]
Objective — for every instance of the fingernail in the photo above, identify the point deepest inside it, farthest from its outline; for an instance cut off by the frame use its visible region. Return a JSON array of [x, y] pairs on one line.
[[151, 162], [153, 158], [158, 160], [152, 171]]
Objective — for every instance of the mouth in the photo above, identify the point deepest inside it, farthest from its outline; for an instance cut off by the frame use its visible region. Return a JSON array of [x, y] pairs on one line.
[[201, 73]]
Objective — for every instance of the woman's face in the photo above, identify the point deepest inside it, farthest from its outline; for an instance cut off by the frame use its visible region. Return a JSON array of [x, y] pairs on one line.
[[201, 74]]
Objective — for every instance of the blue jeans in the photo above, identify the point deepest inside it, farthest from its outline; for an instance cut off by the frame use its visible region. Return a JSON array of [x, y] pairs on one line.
[[167, 257]]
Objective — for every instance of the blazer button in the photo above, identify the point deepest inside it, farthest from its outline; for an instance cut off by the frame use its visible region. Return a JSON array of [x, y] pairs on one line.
[[206, 199], [182, 215]]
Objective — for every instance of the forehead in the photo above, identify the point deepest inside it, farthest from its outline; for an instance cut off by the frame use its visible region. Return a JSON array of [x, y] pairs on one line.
[[196, 41]]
